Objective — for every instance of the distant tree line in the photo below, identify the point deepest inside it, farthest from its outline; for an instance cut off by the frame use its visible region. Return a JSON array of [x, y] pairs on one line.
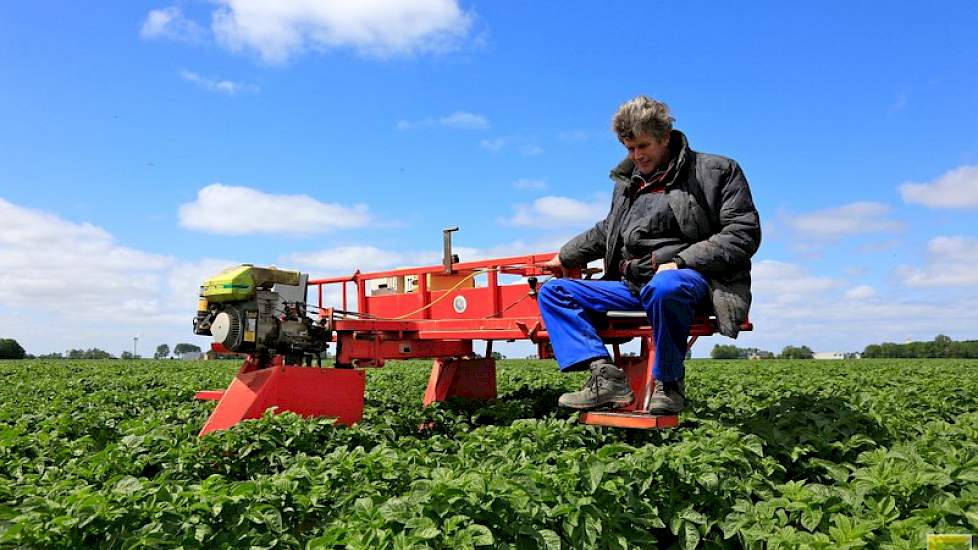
[[722, 351], [93, 353], [10, 349], [940, 347]]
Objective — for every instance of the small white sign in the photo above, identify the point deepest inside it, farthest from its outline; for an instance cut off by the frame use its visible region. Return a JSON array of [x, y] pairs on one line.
[[459, 304]]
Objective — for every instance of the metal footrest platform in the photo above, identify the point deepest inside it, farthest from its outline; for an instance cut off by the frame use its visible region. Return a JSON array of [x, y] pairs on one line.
[[640, 421]]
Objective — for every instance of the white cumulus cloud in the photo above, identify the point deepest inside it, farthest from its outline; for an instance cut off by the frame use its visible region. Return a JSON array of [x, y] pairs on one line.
[[952, 262], [495, 144], [46, 259], [555, 211], [342, 260], [860, 292], [221, 85], [786, 283], [278, 30], [521, 145], [170, 23], [856, 218], [236, 210], [65, 284], [793, 305], [346, 259], [464, 120], [459, 120], [956, 188]]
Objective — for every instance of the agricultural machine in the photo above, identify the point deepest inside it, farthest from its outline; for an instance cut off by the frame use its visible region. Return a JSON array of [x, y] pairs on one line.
[[434, 312]]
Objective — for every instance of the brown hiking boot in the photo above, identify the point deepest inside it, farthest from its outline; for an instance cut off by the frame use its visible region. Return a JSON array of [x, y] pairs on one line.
[[608, 385], [668, 398]]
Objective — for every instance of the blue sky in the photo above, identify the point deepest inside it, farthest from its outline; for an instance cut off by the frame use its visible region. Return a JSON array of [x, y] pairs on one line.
[[145, 145]]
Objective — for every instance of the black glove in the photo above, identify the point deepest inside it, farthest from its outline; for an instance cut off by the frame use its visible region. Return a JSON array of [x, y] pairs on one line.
[[638, 271]]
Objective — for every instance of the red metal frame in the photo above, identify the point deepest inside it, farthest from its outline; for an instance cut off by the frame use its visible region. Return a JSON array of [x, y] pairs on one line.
[[440, 324]]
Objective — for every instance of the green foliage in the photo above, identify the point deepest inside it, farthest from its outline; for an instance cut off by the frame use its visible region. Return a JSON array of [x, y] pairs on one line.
[[724, 351], [183, 348], [162, 351], [941, 347], [10, 349], [721, 351], [93, 353], [794, 352], [773, 454]]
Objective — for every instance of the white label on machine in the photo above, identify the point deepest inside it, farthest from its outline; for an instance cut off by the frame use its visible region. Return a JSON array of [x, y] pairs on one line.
[[459, 304]]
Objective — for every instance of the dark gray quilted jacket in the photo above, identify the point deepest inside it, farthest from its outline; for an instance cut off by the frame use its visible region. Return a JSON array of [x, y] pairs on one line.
[[712, 203]]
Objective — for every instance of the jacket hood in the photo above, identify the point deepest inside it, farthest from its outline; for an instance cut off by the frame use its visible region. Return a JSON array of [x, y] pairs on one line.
[[678, 149]]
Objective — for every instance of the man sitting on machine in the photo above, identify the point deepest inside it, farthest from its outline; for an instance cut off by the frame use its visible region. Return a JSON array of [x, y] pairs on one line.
[[679, 236]]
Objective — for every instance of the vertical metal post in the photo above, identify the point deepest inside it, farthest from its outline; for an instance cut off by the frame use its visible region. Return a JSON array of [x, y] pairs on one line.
[[447, 251], [423, 294], [361, 293], [493, 279]]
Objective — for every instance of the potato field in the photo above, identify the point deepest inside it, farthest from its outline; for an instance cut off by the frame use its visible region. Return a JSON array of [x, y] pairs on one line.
[[773, 454]]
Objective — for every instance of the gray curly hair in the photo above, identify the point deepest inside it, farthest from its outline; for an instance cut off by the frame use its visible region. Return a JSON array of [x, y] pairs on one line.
[[642, 115]]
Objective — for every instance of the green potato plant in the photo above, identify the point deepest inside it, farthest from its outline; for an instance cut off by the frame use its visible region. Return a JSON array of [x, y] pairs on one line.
[[772, 454]]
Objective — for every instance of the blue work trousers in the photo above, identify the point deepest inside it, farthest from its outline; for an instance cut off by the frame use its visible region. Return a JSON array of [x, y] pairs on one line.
[[569, 308]]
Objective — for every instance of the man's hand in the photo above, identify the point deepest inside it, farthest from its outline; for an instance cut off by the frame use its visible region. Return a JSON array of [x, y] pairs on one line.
[[667, 267], [554, 266]]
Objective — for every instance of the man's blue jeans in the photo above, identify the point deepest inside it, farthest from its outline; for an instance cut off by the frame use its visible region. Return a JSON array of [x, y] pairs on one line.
[[670, 300]]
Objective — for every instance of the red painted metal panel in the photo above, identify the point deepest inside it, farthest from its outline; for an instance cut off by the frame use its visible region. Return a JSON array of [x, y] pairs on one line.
[[439, 381], [209, 395], [465, 378], [639, 372], [238, 402], [311, 391], [308, 391], [475, 303], [378, 347]]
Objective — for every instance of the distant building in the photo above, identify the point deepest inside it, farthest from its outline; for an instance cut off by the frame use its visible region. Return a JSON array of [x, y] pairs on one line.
[[192, 356], [829, 355]]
